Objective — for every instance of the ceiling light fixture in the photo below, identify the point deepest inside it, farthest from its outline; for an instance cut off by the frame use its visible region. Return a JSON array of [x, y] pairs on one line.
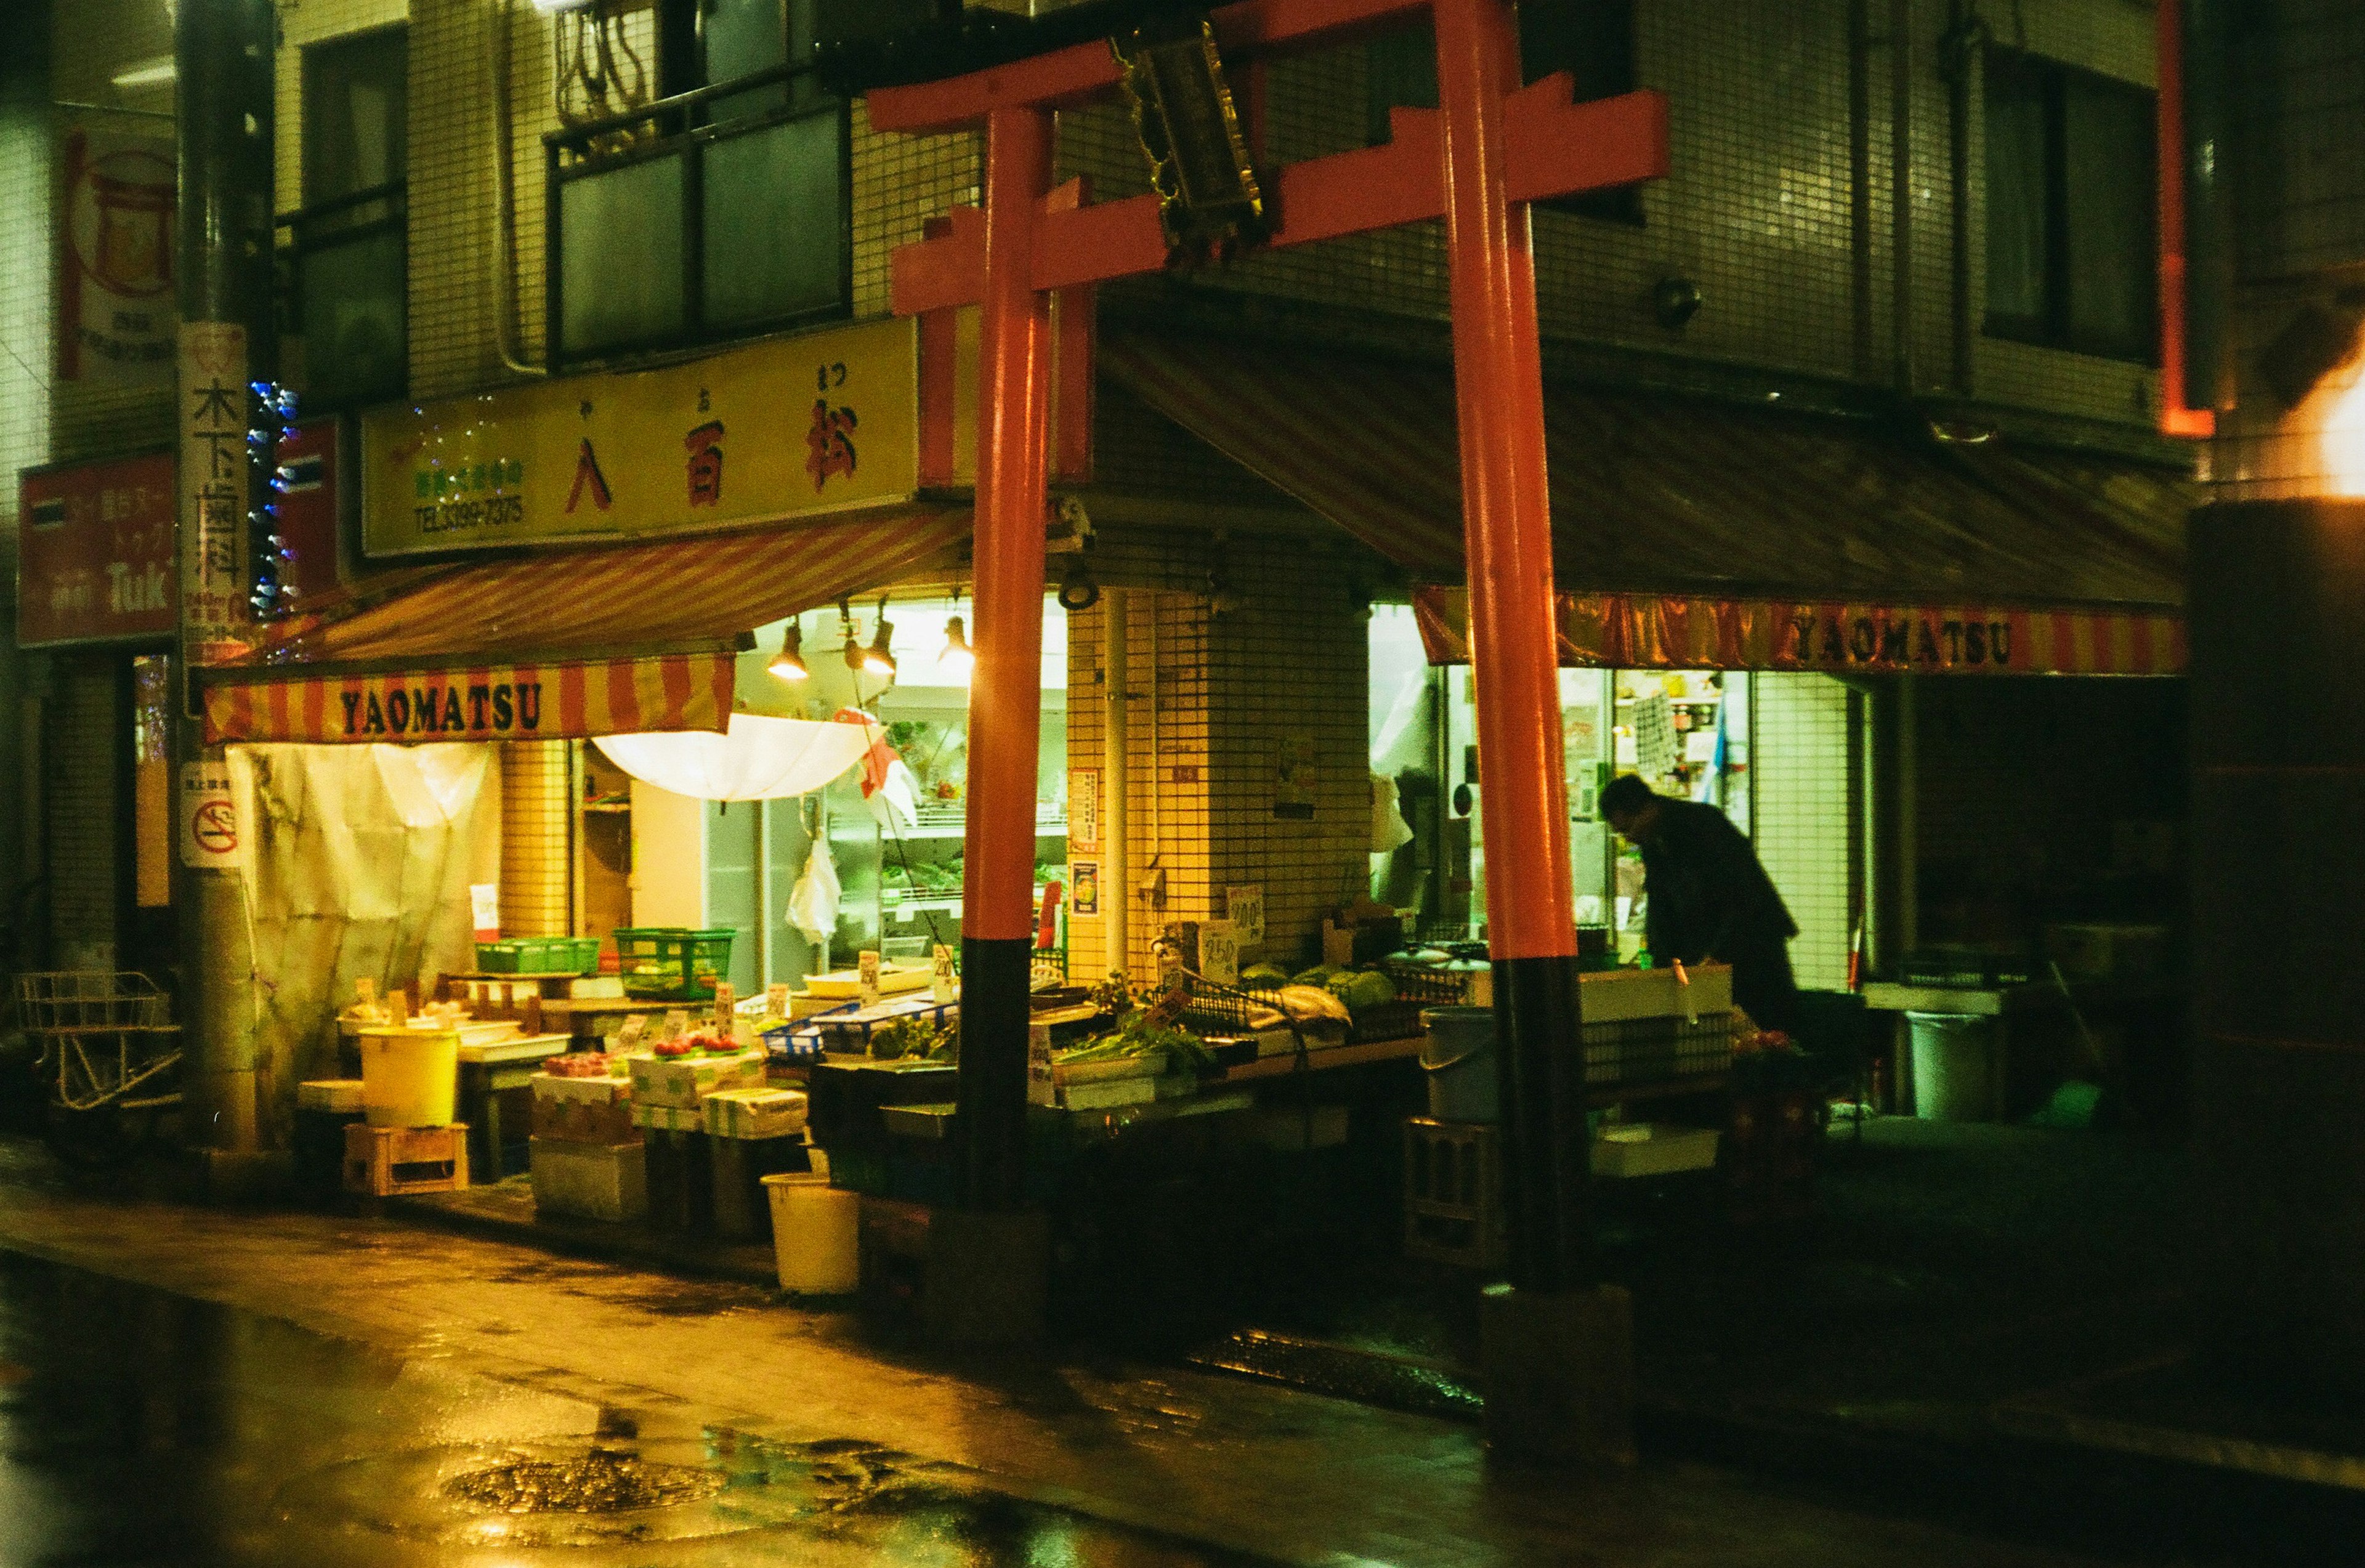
[[788, 663], [153, 72], [877, 659], [959, 658]]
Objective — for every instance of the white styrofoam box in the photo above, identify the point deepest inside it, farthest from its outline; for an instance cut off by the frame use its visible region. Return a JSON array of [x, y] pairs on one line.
[[337, 1094], [684, 1080], [1656, 993], [1657, 1152], [589, 1091], [593, 1181], [754, 1113]]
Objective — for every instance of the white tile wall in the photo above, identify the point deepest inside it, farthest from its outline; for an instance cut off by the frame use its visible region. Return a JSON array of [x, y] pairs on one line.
[[1803, 822]]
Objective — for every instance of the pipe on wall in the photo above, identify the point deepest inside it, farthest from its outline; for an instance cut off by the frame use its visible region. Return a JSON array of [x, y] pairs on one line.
[[504, 250], [1900, 194]]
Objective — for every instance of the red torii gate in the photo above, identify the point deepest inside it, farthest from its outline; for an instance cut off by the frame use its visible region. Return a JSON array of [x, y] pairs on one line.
[[1477, 161]]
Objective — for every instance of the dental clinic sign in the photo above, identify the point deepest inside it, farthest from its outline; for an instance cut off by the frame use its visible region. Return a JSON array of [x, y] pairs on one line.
[[95, 553]]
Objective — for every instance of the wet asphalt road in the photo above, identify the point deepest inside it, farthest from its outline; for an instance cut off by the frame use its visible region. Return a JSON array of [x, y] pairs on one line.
[[139, 1428]]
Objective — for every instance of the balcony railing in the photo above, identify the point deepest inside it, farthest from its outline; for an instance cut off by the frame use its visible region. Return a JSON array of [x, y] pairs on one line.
[[712, 215], [348, 296]]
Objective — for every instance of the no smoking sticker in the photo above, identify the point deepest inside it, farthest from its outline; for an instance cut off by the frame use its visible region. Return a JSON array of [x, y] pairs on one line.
[[212, 834]]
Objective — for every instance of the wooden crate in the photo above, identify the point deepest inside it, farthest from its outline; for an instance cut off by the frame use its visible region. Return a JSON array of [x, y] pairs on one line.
[[1454, 1193], [388, 1162]]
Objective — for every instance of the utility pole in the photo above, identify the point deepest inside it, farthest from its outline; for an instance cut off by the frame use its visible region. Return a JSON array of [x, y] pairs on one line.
[[223, 50]]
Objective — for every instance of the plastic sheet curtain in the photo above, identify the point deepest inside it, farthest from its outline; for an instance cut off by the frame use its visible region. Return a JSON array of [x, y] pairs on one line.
[[759, 758], [364, 855]]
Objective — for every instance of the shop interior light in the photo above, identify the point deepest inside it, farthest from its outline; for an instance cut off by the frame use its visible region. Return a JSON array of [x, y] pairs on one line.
[[879, 659], [788, 663], [153, 72], [959, 658], [552, 8]]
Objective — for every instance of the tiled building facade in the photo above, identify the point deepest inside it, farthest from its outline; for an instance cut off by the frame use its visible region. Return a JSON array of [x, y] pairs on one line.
[[1780, 210]]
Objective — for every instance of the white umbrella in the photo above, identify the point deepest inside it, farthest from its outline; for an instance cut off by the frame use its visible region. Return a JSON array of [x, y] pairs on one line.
[[759, 758]]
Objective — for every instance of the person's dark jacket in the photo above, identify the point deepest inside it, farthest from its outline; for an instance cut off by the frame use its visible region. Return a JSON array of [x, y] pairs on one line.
[[1708, 898]]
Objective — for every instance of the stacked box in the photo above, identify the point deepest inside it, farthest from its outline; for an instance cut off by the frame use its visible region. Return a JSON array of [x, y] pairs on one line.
[[591, 1181], [596, 1110], [670, 1118], [754, 1113], [685, 1080]]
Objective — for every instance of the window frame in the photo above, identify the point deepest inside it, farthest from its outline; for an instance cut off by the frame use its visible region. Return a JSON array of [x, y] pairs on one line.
[[695, 135], [2055, 326], [343, 219]]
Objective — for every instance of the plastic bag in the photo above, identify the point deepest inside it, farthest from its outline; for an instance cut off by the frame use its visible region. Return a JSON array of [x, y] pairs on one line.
[[813, 904], [1388, 829]]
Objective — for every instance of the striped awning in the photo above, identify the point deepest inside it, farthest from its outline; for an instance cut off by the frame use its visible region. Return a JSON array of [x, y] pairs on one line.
[[561, 604], [562, 644], [568, 700], [1657, 631], [1684, 506]]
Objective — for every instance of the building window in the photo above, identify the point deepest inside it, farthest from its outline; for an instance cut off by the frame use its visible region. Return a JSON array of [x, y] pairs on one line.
[[348, 254], [1593, 40], [2072, 243], [720, 211]]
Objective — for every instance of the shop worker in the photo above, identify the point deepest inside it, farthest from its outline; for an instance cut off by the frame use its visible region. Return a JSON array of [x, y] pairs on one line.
[[1708, 898]]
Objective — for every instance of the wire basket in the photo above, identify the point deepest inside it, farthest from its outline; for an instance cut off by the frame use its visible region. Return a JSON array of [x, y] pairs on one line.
[[62, 1000], [1212, 1007]]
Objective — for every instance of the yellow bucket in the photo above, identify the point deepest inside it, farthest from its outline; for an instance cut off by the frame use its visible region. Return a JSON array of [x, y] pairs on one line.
[[408, 1077], [813, 1234]]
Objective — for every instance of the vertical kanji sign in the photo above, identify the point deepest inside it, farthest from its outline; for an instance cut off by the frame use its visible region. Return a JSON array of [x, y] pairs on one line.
[[211, 419]]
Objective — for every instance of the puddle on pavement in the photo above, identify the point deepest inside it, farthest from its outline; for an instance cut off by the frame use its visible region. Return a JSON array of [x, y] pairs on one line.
[[141, 1428]]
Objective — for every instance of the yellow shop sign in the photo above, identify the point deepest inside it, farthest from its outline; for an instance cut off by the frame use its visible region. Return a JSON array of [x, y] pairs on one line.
[[783, 429]]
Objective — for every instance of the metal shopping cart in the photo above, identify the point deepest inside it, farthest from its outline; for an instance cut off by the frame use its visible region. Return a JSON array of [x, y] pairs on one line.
[[110, 1059]]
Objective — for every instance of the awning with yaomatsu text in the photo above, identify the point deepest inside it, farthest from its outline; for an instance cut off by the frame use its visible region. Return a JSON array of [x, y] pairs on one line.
[[568, 700], [1668, 632]]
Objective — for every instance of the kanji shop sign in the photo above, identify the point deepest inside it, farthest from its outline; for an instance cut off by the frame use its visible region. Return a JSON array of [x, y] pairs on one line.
[[214, 418], [785, 429], [95, 555]]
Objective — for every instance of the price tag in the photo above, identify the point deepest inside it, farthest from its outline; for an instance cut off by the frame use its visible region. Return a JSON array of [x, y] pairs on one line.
[[867, 967], [1220, 951], [776, 1000], [942, 985], [635, 1025], [677, 1024], [726, 1002], [365, 991], [1041, 1089]]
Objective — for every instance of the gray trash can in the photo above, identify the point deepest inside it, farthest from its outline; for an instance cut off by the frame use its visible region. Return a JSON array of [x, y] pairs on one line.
[[1459, 1057], [1957, 1067]]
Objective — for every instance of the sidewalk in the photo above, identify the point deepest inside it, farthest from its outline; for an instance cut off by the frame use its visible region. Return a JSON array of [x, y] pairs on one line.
[[1281, 1475]]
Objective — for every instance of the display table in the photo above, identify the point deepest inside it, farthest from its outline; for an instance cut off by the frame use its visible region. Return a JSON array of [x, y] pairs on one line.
[[487, 1072]]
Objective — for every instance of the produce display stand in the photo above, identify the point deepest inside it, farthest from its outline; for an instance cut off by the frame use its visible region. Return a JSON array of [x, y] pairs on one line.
[[488, 1071]]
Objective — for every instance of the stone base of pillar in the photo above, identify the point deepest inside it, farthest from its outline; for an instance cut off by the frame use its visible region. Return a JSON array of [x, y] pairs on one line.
[[1558, 1370], [234, 1176], [954, 1276]]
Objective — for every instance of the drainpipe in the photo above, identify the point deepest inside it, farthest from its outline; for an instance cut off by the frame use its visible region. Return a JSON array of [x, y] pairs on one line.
[[1900, 193], [504, 257], [1959, 57], [1116, 880], [223, 53], [1859, 28]]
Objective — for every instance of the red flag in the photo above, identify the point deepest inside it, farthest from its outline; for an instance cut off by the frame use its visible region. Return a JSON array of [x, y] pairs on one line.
[[876, 760]]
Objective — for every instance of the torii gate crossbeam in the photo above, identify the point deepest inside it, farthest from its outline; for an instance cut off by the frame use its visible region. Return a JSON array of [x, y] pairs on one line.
[[1477, 161]]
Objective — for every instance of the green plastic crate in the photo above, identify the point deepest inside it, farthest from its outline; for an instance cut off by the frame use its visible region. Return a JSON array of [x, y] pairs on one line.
[[672, 963], [539, 955]]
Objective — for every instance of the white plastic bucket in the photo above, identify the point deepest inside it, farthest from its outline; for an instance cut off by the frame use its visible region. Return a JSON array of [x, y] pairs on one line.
[[1958, 1073], [1459, 1057], [408, 1077], [813, 1233]]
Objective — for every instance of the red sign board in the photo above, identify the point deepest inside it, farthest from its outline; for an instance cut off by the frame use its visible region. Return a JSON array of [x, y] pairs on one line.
[[95, 553], [96, 560], [307, 520]]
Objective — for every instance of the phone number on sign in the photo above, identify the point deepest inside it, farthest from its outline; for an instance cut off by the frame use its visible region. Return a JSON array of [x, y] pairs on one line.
[[493, 511]]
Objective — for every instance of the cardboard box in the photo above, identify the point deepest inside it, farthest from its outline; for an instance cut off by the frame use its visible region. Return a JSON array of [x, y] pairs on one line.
[[670, 1118], [586, 1091], [580, 1121], [754, 1113], [684, 1080]]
